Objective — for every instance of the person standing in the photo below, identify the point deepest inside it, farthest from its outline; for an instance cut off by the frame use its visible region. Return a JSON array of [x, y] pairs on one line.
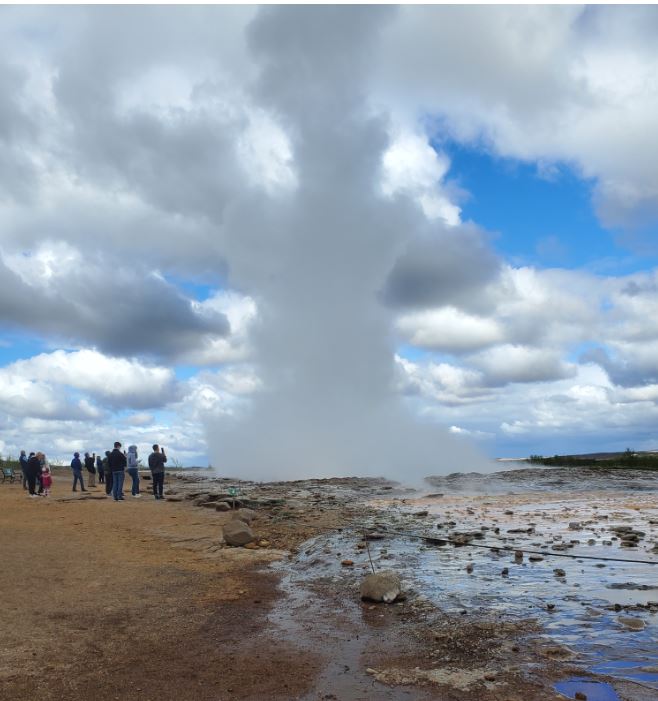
[[23, 461], [100, 468], [117, 464], [76, 466], [46, 480], [108, 473], [133, 470], [90, 461], [157, 460], [33, 470]]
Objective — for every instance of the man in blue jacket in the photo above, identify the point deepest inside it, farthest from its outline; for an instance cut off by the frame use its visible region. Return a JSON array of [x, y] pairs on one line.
[[23, 461], [76, 466]]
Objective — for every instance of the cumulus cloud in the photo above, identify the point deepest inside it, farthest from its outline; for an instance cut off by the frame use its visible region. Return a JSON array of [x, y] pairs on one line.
[[122, 310]]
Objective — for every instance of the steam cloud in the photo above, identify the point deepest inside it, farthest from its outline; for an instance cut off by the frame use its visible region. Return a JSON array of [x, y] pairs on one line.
[[317, 260]]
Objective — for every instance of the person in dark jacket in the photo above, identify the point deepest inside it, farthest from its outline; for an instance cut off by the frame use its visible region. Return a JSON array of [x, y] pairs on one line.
[[90, 464], [157, 460], [76, 466], [117, 463], [108, 473], [23, 461], [33, 470], [100, 469]]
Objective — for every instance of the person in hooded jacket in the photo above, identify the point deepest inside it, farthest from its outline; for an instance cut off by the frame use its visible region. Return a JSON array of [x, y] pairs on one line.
[[133, 470], [76, 466]]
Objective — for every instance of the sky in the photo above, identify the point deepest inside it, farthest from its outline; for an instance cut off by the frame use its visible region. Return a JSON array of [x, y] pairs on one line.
[[329, 240]]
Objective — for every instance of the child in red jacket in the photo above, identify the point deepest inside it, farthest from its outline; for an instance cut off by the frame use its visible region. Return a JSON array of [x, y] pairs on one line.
[[46, 481]]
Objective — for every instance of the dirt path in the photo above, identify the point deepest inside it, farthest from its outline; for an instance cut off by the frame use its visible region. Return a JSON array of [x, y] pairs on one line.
[[132, 600]]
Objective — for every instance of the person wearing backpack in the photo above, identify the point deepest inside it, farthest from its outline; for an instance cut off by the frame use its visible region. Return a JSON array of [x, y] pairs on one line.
[[133, 470]]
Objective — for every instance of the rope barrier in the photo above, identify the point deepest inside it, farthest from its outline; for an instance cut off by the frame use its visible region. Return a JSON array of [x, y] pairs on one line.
[[508, 548]]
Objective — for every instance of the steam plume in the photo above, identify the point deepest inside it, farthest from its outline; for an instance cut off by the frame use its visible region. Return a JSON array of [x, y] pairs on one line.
[[316, 261]]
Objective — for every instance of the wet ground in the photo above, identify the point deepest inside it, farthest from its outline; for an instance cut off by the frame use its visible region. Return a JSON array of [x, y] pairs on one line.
[[598, 615]]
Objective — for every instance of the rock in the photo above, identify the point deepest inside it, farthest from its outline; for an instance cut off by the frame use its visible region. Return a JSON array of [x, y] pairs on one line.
[[202, 499], [246, 515], [575, 526], [518, 556], [558, 572], [381, 586], [580, 696], [209, 505], [535, 558], [347, 563], [237, 533], [469, 568], [222, 506], [631, 623], [505, 571], [175, 497]]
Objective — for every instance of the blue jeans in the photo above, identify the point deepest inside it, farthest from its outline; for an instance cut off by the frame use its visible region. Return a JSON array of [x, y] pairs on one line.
[[77, 475], [134, 474], [117, 484]]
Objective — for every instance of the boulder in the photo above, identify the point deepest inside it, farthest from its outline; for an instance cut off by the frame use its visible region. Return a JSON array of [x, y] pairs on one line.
[[237, 533], [222, 506], [174, 497], [381, 586], [246, 515]]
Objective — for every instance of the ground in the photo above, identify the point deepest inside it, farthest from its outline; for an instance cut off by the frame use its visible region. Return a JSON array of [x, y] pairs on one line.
[[140, 600]]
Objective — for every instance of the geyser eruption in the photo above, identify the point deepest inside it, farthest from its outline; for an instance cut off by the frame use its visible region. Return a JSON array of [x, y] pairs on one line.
[[316, 260]]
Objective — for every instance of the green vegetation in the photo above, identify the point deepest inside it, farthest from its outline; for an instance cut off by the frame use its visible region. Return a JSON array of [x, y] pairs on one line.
[[628, 460]]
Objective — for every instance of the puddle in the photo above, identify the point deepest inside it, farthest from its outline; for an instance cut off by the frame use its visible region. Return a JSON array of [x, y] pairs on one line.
[[594, 691]]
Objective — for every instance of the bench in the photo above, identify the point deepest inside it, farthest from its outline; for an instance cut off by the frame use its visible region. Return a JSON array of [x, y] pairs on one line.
[[8, 474]]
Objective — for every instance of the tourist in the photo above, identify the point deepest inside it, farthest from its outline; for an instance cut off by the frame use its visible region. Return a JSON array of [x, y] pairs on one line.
[[43, 461], [133, 470], [22, 459], [117, 464], [76, 466], [46, 480], [33, 470], [90, 462], [100, 469], [108, 473], [157, 460]]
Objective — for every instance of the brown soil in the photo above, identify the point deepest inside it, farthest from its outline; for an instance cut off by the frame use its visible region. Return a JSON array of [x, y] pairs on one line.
[[139, 600]]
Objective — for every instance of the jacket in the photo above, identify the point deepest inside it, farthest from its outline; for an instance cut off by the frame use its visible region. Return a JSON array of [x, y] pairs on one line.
[[117, 461], [76, 465], [157, 462]]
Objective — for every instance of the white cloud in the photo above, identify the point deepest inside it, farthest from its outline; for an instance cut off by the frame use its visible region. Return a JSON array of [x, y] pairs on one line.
[[449, 330], [412, 166]]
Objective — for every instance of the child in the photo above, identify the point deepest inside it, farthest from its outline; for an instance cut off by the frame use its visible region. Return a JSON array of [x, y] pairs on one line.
[[46, 481]]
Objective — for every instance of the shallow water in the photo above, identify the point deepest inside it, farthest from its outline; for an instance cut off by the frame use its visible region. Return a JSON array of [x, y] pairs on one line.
[[576, 609]]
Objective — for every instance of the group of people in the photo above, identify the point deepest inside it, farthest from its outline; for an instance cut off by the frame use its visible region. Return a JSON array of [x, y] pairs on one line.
[[36, 470], [111, 471]]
